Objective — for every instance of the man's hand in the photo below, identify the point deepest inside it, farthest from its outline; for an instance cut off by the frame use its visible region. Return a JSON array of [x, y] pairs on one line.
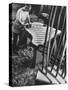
[[27, 25]]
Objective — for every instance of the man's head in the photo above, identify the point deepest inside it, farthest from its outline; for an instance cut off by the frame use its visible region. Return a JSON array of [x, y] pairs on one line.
[[28, 41], [27, 7]]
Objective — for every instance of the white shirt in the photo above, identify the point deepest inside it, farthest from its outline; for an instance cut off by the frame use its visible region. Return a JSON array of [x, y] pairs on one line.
[[22, 15]]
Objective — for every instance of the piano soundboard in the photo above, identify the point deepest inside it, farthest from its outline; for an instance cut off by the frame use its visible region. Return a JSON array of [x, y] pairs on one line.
[[38, 31]]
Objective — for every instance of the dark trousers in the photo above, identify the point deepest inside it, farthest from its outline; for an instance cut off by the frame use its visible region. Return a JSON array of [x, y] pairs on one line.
[[22, 40]]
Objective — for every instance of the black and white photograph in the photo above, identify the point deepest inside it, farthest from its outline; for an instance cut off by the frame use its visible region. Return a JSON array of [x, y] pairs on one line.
[[37, 44]]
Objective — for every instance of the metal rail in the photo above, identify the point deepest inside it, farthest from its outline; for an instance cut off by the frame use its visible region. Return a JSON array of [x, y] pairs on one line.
[[50, 17], [53, 20]]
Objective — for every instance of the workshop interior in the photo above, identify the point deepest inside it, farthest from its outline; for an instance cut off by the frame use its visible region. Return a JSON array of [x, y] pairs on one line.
[[37, 44]]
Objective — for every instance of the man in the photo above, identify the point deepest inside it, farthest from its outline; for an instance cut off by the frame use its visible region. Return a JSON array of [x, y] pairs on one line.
[[28, 50], [18, 27]]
